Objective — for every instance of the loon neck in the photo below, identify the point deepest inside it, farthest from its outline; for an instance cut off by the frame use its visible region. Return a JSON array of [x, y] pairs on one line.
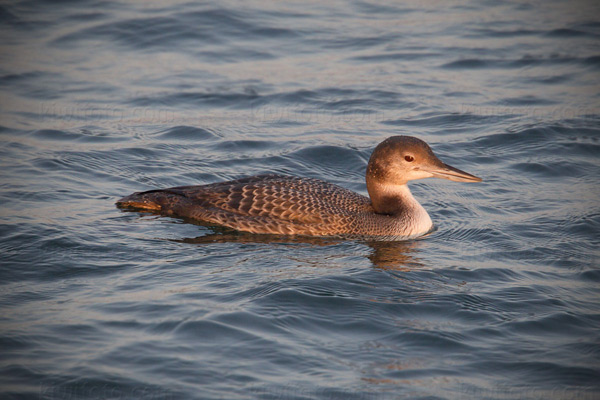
[[393, 199], [398, 202]]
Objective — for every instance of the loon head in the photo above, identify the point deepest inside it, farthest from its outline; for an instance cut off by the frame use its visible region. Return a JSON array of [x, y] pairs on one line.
[[400, 159]]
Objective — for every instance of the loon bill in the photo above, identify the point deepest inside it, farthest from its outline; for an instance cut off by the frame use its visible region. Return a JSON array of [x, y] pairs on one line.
[[291, 205]]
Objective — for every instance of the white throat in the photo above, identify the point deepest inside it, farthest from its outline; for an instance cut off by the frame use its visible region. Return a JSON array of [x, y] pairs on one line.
[[413, 216]]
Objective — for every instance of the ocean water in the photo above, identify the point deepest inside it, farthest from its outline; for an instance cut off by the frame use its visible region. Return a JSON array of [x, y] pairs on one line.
[[99, 99]]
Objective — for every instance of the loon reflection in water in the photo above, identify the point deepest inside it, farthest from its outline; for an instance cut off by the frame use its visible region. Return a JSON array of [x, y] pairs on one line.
[[304, 206]]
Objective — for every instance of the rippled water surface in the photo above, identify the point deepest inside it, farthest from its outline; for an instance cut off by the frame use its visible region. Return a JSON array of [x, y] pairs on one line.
[[99, 99]]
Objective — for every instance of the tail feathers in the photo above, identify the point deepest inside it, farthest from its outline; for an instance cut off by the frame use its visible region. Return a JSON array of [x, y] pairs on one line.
[[142, 200]]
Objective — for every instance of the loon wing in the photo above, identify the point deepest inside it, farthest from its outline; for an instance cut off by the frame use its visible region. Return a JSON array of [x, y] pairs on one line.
[[260, 204]]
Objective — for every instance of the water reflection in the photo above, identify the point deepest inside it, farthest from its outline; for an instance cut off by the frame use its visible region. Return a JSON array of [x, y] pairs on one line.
[[395, 255]]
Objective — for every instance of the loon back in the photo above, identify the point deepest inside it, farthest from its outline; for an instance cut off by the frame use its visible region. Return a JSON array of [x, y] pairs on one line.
[[264, 204]]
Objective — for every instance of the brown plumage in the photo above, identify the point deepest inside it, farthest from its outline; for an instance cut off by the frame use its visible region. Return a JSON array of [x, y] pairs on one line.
[[291, 205]]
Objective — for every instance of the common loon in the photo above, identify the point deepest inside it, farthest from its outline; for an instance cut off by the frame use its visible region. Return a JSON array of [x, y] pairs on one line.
[[290, 205]]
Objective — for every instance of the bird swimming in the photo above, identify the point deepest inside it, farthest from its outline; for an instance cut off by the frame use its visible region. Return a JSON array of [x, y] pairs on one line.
[[280, 204]]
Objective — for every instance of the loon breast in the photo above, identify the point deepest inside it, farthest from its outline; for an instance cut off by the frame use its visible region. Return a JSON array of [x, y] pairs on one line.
[[279, 204]]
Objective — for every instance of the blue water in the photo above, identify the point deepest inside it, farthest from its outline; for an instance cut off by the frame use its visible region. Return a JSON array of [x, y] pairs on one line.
[[99, 99]]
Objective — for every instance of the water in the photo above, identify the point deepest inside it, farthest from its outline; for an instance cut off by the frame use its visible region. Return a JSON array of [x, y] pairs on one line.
[[100, 99]]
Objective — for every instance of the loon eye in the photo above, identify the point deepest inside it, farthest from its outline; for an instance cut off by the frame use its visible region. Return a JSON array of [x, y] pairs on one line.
[[409, 158]]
